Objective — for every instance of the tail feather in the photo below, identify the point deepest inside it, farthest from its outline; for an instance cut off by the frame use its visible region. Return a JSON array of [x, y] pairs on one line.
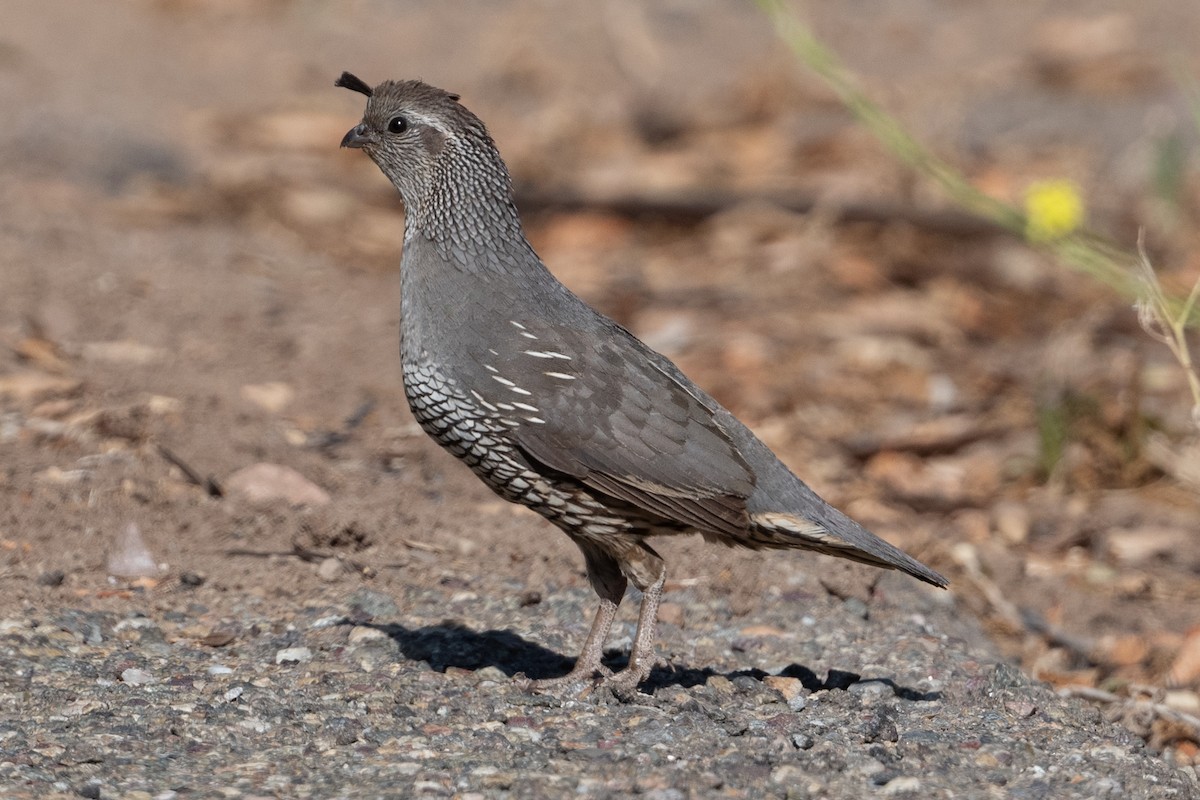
[[851, 541]]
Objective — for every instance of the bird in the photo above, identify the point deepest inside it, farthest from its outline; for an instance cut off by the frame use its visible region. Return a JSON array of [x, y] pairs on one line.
[[555, 406]]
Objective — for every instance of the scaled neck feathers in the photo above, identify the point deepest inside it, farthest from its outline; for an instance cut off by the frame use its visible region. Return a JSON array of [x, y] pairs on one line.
[[468, 213]]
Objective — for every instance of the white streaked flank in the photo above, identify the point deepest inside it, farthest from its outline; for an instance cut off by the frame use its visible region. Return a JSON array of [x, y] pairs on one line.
[[505, 381], [517, 324], [526, 407], [483, 402], [538, 420], [560, 375], [546, 354], [519, 390]]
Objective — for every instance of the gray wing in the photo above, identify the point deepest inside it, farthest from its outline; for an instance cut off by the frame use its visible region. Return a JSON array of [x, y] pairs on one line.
[[628, 424]]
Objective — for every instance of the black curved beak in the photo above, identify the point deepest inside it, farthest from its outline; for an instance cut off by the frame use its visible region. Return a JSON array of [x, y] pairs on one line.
[[358, 137]]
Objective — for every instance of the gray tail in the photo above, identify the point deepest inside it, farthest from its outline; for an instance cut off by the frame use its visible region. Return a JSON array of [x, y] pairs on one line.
[[836, 535]]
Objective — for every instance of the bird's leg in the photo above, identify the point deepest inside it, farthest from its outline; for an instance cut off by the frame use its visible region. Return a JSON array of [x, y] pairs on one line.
[[641, 655], [606, 578], [587, 665]]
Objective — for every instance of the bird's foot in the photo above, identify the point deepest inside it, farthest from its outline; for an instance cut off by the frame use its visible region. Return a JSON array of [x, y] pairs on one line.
[[579, 682], [623, 686], [600, 682]]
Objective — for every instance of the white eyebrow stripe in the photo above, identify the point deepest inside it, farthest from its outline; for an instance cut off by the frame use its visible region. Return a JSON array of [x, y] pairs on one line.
[[560, 375], [505, 381]]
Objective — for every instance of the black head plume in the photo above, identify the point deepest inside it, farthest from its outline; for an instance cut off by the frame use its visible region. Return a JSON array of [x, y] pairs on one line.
[[354, 83]]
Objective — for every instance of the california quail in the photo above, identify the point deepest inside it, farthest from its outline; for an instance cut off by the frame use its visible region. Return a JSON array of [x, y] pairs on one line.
[[557, 407]]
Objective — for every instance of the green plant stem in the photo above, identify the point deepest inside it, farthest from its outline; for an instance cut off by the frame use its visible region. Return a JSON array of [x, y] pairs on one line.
[[1086, 252]]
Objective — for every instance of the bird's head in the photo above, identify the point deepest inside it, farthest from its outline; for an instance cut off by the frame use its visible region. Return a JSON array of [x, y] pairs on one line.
[[416, 133]]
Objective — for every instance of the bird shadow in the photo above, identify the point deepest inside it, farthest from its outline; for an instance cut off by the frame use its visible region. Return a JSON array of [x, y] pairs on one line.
[[453, 645]]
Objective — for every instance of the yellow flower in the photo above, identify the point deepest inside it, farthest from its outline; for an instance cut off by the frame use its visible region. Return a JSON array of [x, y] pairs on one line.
[[1052, 209]]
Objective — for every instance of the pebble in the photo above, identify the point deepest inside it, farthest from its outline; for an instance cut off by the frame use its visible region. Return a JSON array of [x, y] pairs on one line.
[[136, 677], [234, 693], [293, 655], [51, 578], [374, 604], [219, 669], [330, 569], [264, 483], [365, 633], [903, 784], [273, 396]]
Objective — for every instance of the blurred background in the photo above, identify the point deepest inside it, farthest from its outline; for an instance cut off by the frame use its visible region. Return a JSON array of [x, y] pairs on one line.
[[194, 280]]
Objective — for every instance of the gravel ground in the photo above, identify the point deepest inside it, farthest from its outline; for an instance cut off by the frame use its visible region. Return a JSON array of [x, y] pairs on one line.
[[380, 697], [187, 262]]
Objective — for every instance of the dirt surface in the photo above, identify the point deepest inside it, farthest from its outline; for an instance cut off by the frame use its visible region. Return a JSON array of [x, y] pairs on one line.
[[194, 281]]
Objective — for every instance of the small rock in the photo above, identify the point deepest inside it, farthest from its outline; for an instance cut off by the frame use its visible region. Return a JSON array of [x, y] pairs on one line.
[[130, 558], [219, 669], [234, 693], [136, 677], [533, 597], [274, 396], [54, 577], [265, 483], [365, 633], [490, 673], [791, 689], [218, 638], [330, 569], [373, 604], [343, 730], [1022, 709], [902, 785], [192, 579], [293, 655], [803, 741]]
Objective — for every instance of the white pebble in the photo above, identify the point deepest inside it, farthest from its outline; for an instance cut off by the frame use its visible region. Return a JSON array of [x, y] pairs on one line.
[[293, 655], [136, 677]]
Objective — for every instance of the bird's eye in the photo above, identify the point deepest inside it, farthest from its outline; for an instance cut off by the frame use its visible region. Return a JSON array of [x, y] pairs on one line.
[[397, 125]]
